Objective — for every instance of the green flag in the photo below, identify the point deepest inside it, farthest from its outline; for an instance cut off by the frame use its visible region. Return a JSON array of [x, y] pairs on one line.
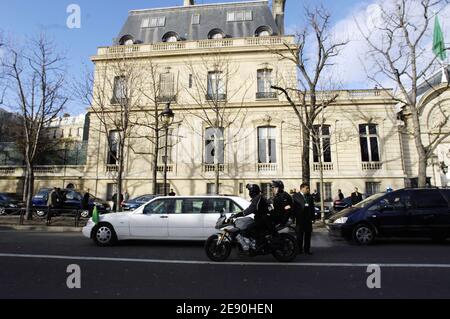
[[438, 41], [95, 216]]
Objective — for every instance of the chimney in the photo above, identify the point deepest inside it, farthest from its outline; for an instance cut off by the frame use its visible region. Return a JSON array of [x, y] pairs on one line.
[[189, 3], [278, 7]]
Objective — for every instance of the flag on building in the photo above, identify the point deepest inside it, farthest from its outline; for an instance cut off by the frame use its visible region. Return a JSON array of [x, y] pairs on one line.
[[438, 41]]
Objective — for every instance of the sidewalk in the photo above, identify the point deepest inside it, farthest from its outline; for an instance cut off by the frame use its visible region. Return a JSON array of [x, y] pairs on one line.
[[58, 224]]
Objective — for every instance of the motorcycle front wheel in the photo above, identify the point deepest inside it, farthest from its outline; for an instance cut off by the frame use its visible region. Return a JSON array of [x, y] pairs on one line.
[[217, 252], [286, 249]]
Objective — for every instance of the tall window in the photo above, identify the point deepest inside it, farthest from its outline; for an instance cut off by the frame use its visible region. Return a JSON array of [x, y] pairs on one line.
[[162, 147], [216, 86], [213, 137], [267, 145], [370, 151], [373, 188], [119, 88], [160, 188], [322, 143], [266, 190], [328, 191], [265, 84], [166, 86], [195, 19], [113, 147]]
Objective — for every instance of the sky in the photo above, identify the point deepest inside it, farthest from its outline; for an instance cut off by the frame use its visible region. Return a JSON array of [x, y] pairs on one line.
[[101, 21]]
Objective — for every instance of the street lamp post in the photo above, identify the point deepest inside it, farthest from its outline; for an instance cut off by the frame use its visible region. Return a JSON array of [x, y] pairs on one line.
[[167, 117]]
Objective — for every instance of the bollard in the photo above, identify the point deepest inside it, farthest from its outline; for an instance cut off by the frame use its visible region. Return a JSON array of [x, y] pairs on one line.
[[77, 218], [22, 215], [49, 217]]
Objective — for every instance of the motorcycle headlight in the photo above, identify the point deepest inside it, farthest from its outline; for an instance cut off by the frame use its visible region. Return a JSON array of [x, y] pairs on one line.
[[341, 220]]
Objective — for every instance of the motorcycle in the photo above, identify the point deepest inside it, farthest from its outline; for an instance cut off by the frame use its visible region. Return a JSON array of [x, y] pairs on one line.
[[218, 247]]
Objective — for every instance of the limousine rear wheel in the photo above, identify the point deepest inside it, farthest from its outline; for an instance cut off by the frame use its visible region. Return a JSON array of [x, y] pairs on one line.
[[363, 234], [104, 235]]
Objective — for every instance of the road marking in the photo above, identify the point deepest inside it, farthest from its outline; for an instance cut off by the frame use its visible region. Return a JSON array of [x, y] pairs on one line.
[[195, 262]]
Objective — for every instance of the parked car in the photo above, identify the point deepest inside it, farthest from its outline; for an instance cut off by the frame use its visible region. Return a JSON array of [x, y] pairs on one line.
[[402, 213], [73, 201], [165, 218], [137, 202], [318, 213], [8, 205], [339, 205]]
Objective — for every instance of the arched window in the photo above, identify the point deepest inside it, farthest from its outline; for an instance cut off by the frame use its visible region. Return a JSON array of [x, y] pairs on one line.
[[263, 31], [126, 40], [216, 34], [171, 37]]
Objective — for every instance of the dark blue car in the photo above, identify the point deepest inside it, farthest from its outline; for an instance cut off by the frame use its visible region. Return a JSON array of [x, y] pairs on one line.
[[72, 202], [403, 213], [8, 205], [137, 202]]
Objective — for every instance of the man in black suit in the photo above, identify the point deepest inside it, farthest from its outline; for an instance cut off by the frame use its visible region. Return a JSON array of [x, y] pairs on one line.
[[304, 216], [356, 197]]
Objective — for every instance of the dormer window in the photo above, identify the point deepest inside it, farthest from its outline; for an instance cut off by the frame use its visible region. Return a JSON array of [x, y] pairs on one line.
[[216, 34], [126, 40], [195, 19], [263, 31], [171, 37], [153, 22], [235, 16]]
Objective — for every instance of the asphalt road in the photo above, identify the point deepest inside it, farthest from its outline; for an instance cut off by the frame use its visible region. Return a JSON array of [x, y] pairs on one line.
[[34, 265]]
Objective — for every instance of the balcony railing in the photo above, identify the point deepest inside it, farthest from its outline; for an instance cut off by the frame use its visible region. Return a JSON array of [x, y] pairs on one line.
[[267, 167], [266, 95], [372, 166], [111, 168], [207, 168], [7, 171], [182, 46], [326, 167], [167, 98], [170, 168], [216, 97]]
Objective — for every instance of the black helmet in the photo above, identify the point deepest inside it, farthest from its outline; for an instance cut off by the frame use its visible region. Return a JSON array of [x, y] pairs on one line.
[[254, 190], [278, 184]]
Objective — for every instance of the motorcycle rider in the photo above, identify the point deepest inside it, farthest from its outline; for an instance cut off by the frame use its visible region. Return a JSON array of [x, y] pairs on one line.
[[260, 208], [282, 204]]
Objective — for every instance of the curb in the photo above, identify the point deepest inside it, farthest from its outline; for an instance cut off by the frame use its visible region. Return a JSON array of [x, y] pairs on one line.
[[44, 229]]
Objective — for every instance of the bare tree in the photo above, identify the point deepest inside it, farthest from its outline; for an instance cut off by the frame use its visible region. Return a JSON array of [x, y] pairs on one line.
[[213, 91], [399, 45], [114, 94], [313, 56], [35, 87]]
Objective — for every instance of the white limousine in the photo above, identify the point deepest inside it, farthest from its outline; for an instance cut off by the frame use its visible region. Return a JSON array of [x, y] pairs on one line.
[[165, 218]]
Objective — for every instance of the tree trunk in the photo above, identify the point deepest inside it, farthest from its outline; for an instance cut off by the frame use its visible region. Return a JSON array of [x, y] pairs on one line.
[[421, 152], [155, 163], [306, 167], [29, 191]]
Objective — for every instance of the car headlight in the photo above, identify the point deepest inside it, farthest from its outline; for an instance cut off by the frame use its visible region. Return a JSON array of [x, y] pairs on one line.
[[341, 220], [12, 205]]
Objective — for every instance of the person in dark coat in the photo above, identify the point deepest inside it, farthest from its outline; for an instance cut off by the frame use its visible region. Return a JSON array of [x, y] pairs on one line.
[[356, 197], [259, 207], [304, 216], [282, 204], [85, 201], [341, 195], [52, 201], [114, 198]]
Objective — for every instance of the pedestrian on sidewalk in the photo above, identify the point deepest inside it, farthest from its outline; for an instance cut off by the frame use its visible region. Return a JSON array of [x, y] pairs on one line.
[[304, 216]]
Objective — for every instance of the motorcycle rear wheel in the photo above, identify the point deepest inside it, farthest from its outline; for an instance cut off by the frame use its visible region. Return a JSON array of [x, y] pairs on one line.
[[289, 248], [215, 252]]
